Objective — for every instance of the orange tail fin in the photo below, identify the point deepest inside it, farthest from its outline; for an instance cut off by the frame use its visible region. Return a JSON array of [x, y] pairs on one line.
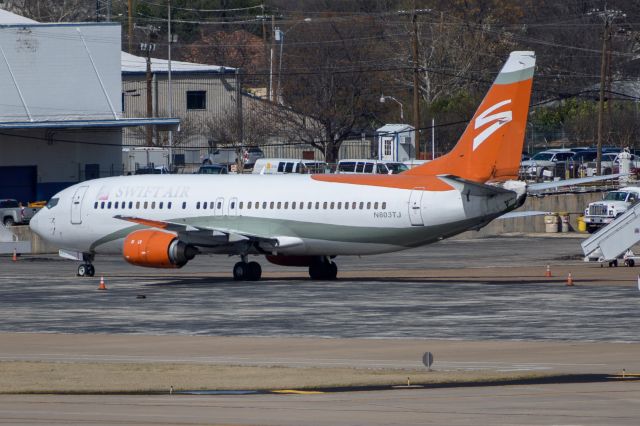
[[490, 148]]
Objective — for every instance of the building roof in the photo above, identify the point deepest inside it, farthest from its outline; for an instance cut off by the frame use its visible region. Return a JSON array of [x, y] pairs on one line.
[[162, 123], [132, 64], [8, 18], [394, 128]]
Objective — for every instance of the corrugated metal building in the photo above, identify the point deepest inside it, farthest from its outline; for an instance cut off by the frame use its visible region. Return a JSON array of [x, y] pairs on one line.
[[60, 110]]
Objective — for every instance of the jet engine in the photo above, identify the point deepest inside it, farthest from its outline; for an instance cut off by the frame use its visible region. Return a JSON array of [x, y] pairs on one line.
[[157, 249]]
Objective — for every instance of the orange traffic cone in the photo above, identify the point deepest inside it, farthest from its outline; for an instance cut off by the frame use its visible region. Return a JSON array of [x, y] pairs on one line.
[[15, 256], [569, 280], [102, 286], [548, 273]]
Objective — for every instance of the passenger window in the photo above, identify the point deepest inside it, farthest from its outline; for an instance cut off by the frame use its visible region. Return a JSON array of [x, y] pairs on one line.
[[241, 205], [233, 205], [286, 205], [161, 205], [124, 205], [279, 205], [169, 205], [339, 205], [346, 206], [384, 205], [102, 205], [369, 205], [310, 205], [271, 205], [95, 206], [375, 205], [264, 205], [198, 205], [257, 205], [353, 205], [361, 205], [116, 205], [109, 205], [153, 204], [219, 204], [130, 204], [368, 168], [324, 205], [211, 205], [146, 204], [332, 205], [317, 205], [293, 205], [184, 205], [204, 205]]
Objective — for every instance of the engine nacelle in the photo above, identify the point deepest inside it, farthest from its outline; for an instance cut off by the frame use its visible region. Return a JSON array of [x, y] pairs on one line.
[[292, 260], [156, 249]]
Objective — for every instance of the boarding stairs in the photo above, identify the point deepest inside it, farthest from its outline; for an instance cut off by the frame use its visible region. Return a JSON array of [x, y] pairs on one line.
[[615, 240]]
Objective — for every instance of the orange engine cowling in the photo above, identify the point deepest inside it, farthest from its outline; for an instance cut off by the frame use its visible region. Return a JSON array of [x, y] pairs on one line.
[[156, 249], [291, 260]]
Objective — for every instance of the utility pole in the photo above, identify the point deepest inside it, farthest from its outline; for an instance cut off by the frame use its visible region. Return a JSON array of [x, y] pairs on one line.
[[169, 88], [608, 16], [148, 47], [130, 13], [416, 97]]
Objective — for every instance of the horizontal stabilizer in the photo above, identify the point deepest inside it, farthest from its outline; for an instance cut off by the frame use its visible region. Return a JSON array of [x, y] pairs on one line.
[[472, 188], [570, 182], [513, 215]]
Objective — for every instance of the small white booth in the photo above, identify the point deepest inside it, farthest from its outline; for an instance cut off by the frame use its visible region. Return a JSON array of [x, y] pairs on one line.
[[396, 142]]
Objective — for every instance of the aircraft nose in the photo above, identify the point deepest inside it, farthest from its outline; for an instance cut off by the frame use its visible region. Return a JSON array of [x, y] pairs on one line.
[[36, 223]]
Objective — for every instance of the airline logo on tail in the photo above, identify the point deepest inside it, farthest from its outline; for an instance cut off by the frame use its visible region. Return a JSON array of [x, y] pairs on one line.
[[499, 119]]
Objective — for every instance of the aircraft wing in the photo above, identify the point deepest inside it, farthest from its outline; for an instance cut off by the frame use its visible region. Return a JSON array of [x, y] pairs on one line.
[[525, 213], [472, 188], [214, 236]]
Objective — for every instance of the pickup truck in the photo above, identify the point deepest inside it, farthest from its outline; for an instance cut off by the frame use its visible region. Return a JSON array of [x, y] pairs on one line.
[[13, 213], [614, 203]]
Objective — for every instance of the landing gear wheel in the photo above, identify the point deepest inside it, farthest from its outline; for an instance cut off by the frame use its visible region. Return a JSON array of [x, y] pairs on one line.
[[255, 271], [240, 271], [91, 271], [323, 271], [82, 270], [613, 263], [630, 263], [86, 270]]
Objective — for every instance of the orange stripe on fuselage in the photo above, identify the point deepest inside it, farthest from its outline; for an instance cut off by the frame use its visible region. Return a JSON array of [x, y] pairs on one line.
[[401, 181]]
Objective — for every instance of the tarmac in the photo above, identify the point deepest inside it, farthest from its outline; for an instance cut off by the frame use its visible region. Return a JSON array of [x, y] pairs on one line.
[[511, 346]]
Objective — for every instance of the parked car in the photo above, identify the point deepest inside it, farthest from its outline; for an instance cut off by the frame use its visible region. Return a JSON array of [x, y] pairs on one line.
[[614, 203], [610, 163], [544, 165], [269, 166], [352, 166], [154, 170], [230, 156], [14, 213], [213, 169]]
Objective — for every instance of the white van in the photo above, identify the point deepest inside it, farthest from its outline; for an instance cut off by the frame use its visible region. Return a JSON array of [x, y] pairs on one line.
[[370, 166], [271, 166]]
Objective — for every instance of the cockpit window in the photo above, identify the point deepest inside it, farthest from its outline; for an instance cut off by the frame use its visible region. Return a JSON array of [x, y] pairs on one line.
[[52, 203]]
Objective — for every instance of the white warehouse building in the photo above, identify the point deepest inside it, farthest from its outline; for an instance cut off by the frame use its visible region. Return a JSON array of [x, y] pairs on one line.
[[61, 110]]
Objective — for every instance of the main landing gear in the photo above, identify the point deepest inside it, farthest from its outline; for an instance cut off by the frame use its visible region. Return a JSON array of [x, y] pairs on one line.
[[247, 271], [323, 269], [86, 270]]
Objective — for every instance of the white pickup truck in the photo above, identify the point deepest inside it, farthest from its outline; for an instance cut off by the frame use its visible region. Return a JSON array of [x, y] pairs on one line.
[[614, 203]]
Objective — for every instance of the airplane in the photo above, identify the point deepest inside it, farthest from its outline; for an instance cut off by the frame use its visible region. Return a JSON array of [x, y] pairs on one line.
[[164, 221]]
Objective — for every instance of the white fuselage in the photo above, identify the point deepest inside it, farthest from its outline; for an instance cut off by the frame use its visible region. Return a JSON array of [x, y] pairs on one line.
[[318, 217]]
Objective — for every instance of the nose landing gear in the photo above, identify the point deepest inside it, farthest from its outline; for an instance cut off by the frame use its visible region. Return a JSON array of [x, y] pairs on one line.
[[86, 270]]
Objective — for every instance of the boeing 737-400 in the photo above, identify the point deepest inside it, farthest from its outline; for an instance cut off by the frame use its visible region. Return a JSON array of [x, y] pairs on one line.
[[163, 221]]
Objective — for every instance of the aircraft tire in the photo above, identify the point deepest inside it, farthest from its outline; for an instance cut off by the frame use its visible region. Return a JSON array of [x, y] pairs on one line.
[[91, 271], [240, 271], [82, 270], [255, 271]]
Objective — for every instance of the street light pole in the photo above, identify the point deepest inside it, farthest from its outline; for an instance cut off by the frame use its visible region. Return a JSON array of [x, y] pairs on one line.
[[170, 37], [383, 98]]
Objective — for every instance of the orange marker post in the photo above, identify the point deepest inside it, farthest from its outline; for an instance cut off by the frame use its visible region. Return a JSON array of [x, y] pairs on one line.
[[548, 273], [569, 280], [102, 286], [15, 256]]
